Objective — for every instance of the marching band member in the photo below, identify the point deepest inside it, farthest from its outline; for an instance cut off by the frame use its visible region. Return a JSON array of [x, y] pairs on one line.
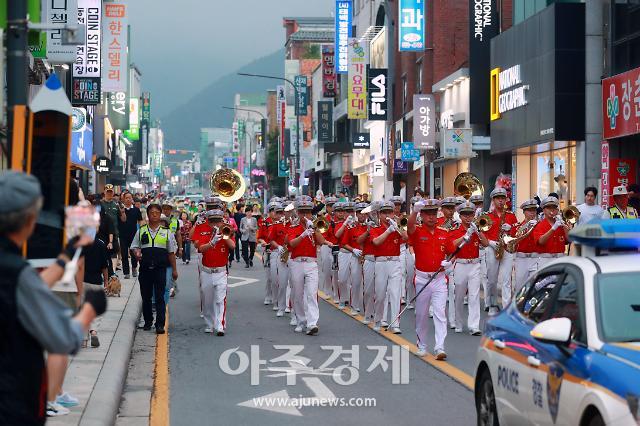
[[478, 202], [326, 257], [397, 216], [448, 222], [466, 271], [290, 219], [270, 294], [355, 247], [410, 265], [345, 215], [526, 256], [279, 269], [213, 271], [430, 244], [369, 266], [621, 208], [499, 270], [301, 240], [551, 234], [388, 274]]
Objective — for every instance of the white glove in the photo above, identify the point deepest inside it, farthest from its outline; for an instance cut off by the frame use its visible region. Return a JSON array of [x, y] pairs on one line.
[[392, 223], [478, 211], [473, 228], [357, 252], [215, 239], [532, 222], [557, 224], [307, 233], [350, 220], [506, 227], [417, 207], [446, 264], [493, 244]]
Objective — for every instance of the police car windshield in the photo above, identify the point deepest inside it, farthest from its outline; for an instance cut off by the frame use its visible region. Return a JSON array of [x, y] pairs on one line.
[[618, 298]]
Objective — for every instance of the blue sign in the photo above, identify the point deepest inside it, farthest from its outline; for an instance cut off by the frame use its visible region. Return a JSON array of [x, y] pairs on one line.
[[303, 95], [412, 25], [343, 32], [82, 147], [408, 152], [400, 167]]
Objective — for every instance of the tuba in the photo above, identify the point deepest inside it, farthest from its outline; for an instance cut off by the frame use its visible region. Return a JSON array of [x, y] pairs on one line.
[[571, 215], [228, 184], [467, 184]]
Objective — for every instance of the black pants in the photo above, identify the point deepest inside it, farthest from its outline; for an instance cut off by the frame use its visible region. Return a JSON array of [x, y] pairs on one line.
[[237, 250], [248, 250], [186, 251], [125, 254], [151, 279]]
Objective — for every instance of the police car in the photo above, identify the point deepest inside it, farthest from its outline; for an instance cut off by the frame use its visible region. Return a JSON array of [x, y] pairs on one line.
[[567, 349]]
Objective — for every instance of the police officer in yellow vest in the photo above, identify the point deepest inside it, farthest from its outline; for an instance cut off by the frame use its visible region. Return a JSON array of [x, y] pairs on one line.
[[621, 208], [155, 248]]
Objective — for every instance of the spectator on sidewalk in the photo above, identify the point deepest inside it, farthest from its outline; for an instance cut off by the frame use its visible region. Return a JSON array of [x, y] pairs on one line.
[[110, 205], [185, 230], [34, 320], [96, 275], [127, 229], [248, 231], [237, 216], [107, 233]]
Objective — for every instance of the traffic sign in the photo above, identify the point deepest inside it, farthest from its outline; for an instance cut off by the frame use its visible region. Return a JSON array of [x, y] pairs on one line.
[[347, 180]]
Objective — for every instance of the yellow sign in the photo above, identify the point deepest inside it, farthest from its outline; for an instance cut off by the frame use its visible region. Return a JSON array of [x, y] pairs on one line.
[[495, 94]]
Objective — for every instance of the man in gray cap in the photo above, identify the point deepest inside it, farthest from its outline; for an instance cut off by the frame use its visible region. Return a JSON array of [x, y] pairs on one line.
[[34, 320]]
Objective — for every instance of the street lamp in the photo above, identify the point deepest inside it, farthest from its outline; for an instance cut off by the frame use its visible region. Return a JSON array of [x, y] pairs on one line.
[[297, 166]]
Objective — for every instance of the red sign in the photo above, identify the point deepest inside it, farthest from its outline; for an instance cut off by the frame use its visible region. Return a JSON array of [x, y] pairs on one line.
[[347, 180], [328, 72], [604, 175], [622, 171], [621, 104]]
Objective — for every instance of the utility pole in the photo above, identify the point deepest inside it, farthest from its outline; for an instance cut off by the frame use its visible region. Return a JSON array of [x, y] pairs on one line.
[[17, 64]]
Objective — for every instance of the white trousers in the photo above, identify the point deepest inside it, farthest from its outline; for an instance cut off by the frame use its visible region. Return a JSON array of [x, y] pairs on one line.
[[281, 279], [325, 260], [344, 276], [214, 291], [524, 267], [403, 268], [356, 284], [304, 280], [198, 260], [466, 276], [268, 291], [483, 271], [272, 276], [435, 295], [498, 277], [410, 267], [451, 301], [388, 280], [369, 273]]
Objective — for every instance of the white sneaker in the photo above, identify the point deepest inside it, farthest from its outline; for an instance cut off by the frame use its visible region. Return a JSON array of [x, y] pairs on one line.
[[312, 330], [466, 300], [475, 332], [384, 323], [201, 315], [365, 321], [298, 329], [67, 400], [430, 312], [293, 321], [410, 306], [452, 326], [267, 301], [441, 355], [376, 327], [54, 409], [275, 308], [458, 330], [280, 314], [396, 330], [287, 310], [421, 352], [493, 311], [353, 312], [208, 330]]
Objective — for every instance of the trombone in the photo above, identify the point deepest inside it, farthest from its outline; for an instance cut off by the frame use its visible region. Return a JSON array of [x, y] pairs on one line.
[[571, 215], [403, 223], [225, 230], [483, 222]]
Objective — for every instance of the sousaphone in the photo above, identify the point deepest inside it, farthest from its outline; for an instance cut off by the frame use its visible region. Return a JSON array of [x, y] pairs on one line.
[[228, 184], [467, 184]]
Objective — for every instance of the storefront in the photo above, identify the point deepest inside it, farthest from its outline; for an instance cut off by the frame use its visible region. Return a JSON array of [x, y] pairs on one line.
[[538, 101]]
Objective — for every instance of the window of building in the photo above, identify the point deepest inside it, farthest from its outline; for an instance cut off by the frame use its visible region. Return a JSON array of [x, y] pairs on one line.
[[554, 170], [523, 9]]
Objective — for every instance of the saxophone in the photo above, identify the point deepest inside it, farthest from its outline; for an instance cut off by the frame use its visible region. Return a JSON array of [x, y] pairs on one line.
[[500, 243]]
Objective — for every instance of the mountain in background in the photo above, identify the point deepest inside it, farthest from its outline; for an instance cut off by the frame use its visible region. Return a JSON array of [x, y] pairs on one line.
[[182, 126]]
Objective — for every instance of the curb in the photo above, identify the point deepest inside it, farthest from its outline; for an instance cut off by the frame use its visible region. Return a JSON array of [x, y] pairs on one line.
[[104, 402]]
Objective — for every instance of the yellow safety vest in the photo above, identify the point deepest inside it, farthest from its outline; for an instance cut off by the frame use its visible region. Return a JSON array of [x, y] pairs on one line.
[[616, 213]]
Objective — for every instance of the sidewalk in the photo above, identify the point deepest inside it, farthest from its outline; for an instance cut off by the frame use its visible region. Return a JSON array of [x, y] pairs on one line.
[[96, 375]]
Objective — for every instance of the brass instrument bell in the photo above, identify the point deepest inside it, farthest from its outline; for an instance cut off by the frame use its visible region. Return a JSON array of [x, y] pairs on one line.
[[467, 184], [228, 184]]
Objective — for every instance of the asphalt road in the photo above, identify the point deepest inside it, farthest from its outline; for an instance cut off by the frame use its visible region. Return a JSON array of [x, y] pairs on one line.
[[201, 392]]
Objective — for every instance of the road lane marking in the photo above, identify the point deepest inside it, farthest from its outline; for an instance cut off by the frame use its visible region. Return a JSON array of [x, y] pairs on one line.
[[244, 281], [455, 373], [159, 415]]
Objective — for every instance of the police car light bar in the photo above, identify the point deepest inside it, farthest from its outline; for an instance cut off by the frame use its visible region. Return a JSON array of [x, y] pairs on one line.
[[608, 234]]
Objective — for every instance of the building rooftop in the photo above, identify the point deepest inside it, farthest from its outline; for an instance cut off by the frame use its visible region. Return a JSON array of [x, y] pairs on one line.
[[302, 20], [307, 35]]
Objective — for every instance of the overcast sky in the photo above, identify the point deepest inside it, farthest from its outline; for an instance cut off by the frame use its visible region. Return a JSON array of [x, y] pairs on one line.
[[181, 46]]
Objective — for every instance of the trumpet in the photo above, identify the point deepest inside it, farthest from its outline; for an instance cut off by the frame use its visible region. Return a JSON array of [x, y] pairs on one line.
[[483, 222], [225, 230], [320, 224], [404, 222], [571, 215]]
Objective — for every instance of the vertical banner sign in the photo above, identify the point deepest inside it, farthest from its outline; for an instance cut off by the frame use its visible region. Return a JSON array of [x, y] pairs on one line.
[[146, 107], [357, 89], [343, 33], [114, 48], [118, 110], [60, 12], [281, 113], [412, 25], [483, 26], [377, 94], [325, 122], [302, 98], [328, 72], [604, 176], [424, 121], [621, 104], [87, 63], [134, 119]]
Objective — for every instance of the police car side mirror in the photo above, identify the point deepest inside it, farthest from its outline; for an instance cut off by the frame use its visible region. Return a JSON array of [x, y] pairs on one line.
[[554, 330]]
